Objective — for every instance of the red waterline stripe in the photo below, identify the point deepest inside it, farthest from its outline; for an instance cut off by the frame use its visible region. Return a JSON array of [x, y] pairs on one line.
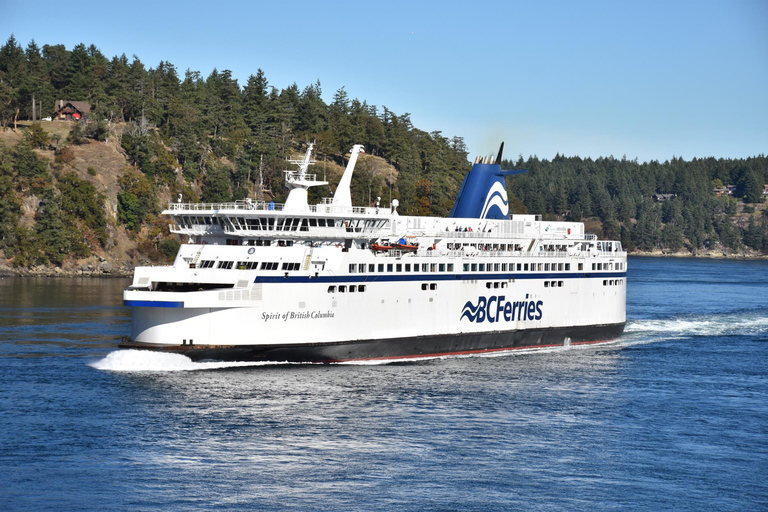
[[463, 352]]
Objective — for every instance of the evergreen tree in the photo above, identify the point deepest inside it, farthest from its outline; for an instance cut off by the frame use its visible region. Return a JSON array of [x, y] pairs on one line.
[[311, 112], [56, 60], [12, 75], [79, 80], [216, 185], [753, 237], [753, 188], [136, 199]]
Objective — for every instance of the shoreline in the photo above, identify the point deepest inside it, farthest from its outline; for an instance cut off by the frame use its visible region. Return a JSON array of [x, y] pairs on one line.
[[714, 255], [47, 271]]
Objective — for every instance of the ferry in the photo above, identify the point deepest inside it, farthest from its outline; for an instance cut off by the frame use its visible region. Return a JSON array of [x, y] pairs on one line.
[[333, 282]]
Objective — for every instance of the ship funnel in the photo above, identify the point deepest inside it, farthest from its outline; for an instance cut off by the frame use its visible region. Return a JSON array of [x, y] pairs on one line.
[[483, 194]]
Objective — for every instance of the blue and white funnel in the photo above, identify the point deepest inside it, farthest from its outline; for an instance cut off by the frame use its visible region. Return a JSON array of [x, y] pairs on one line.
[[483, 194]]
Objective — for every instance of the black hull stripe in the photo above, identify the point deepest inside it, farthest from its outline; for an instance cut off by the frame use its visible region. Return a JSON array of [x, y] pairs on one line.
[[394, 348]]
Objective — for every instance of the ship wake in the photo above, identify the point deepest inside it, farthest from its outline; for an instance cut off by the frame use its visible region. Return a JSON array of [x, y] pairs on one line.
[[747, 323]]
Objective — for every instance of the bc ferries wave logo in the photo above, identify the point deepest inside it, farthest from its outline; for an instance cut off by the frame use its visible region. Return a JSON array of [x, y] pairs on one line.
[[499, 309], [497, 196]]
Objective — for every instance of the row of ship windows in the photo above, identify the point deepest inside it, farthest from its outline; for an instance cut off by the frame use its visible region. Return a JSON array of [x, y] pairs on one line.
[[602, 246], [298, 224], [607, 266], [249, 265], [521, 267], [504, 247], [278, 224], [490, 285], [361, 268], [485, 247], [343, 288]]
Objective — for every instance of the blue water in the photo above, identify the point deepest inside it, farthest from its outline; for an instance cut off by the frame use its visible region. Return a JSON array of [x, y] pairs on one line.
[[674, 416]]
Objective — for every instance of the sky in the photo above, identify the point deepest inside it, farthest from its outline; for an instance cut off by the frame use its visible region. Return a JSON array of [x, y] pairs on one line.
[[642, 79]]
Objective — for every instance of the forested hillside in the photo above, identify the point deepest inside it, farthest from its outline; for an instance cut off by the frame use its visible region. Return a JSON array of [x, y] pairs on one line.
[[672, 206], [90, 190]]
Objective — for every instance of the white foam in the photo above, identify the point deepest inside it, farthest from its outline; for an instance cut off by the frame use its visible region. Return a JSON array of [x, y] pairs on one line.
[[715, 325], [150, 361]]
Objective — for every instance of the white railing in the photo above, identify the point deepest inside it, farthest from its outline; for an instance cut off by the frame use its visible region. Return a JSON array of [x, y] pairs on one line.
[[272, 206], [428, 253]]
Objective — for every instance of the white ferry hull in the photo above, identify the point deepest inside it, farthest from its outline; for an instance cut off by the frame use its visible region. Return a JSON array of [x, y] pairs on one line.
[[297, 319]]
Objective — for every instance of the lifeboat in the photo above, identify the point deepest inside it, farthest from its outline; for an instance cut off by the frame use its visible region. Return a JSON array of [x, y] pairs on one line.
[[380, 248]]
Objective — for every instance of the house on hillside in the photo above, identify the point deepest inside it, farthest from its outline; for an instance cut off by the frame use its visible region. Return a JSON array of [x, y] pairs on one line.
[[663, 197], [725, 191], [70, 110]]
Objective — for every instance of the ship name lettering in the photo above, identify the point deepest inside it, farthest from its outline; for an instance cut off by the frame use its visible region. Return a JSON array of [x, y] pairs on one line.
[[269, 316], [297, 315]]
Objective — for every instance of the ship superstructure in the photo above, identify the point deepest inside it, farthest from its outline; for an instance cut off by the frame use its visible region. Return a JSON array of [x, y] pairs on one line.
[[334, 282]]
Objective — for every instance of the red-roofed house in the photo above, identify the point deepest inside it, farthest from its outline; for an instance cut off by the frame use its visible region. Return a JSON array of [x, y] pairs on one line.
[[70, 110]]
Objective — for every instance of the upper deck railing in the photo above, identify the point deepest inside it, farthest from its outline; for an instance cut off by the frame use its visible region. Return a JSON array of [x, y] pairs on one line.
[[394, 253], [264, 206]]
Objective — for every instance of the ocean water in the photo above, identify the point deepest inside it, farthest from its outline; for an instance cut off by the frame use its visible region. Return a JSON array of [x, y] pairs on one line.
[[673, 416]]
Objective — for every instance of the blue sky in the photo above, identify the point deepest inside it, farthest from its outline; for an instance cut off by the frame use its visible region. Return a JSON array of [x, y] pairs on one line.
[[646, 79]]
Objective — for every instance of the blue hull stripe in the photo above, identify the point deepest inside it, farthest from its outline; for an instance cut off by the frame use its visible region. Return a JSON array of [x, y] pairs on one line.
[[152, 304], [371, 278]]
